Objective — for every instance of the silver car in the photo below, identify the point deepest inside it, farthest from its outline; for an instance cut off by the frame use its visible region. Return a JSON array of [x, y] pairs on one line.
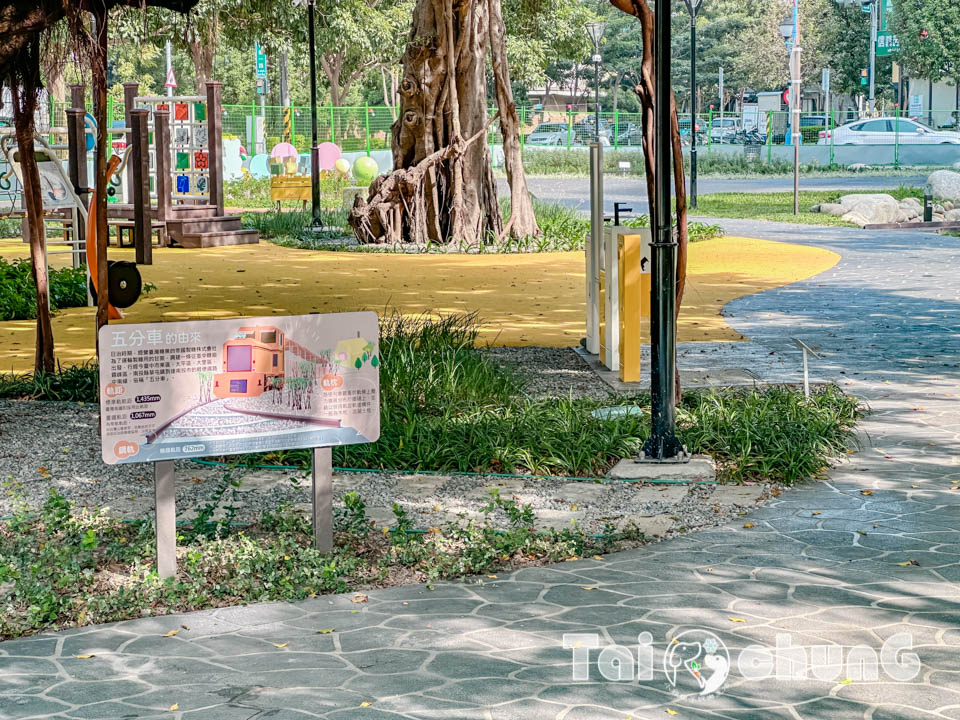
[[549, 134], [887, 131]]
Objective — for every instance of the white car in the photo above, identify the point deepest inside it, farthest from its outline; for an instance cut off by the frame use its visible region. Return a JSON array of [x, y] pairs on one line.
[[888, 131], [549, 134]]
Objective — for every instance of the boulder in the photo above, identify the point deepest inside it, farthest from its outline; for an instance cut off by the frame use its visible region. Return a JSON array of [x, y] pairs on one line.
[[857, 219], [945, 184], [910, 211], [952, 215], [870, 208], [832, 209], [912, 201], [948, 205]]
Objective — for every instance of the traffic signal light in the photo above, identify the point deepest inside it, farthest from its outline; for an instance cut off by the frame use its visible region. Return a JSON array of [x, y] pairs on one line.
[[863, 76]]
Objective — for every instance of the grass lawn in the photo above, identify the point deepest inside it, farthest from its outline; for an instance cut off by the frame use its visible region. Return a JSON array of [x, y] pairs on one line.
[[778, 206]]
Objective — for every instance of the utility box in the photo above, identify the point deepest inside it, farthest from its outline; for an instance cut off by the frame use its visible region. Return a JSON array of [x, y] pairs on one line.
[[633, 275]]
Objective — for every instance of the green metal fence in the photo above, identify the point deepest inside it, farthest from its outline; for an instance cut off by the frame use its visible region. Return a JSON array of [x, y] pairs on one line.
[[368, 128]]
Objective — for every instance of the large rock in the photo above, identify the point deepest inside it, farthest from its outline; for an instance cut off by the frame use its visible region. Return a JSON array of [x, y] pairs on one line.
[[945, 184], [952, 215], [832, 209], [870, 208]]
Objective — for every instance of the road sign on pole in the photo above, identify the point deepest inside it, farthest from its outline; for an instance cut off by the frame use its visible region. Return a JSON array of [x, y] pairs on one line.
[[261, 59], [887, 43], [171, 78]]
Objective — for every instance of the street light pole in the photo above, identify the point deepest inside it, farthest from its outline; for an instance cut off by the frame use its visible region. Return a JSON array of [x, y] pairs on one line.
[[693, 6], [596, 97], [792, 38], [314, 147], [871, 106], [662, 445], [595, 31]]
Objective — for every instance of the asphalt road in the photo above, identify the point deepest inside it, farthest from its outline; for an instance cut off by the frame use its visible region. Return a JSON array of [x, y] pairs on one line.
[[575, 192]]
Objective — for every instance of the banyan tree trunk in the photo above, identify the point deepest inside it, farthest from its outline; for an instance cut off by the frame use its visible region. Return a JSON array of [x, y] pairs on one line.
[[442, 189]]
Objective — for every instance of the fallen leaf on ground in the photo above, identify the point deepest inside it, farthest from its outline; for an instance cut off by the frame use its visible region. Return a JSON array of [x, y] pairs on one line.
[[671, 712], [866, 492], [84, 657], [733, 619], [748, 525], [280, 645], [366, 703], [908, 562], [846, 682], [588, 587], [174, 707], [597, 557], [172, 633], [359, 598], [817, 512], [861, 532], [325, 631]]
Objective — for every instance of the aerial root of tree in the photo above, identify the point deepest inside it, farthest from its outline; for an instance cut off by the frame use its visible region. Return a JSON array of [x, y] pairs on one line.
[[397, 201], [645, 92], [442, 190]]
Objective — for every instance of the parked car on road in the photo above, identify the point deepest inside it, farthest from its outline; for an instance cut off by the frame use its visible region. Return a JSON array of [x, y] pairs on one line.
[[548, 134], [724, 130], [887, 131]]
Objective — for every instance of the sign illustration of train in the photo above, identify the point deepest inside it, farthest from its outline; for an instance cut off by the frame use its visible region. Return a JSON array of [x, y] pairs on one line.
[[254, 361]]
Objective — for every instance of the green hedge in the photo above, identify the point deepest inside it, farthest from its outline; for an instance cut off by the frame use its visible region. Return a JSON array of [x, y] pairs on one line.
[[18, 292]]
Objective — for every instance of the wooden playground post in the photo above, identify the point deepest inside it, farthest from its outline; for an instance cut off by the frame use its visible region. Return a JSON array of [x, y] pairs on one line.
[[130, 91], [215, 145], [77, 99], [140, 161], [161, 140], [77, 162]]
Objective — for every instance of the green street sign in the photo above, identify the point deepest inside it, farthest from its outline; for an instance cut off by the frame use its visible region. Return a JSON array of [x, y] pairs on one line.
[[887, 44], [261, 61]]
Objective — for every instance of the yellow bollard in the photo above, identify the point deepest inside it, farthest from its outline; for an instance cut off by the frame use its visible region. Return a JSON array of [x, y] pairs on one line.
[[633, 259]]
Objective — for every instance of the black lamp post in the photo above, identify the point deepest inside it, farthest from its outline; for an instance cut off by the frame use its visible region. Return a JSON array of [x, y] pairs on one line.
[[693, 6], [595, 31], [314, 147], [663, 444]]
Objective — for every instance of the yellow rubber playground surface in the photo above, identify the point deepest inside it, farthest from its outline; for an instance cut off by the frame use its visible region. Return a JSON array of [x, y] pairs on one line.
[[531, 299]]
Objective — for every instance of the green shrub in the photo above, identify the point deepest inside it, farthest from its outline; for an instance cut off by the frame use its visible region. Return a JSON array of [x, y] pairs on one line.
[[10, 228], [64, 567], [78, 383], [447, 406], [696, 231], [68, 288]]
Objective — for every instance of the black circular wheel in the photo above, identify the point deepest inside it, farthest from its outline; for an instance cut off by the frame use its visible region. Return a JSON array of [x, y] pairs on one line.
[[125, 284]]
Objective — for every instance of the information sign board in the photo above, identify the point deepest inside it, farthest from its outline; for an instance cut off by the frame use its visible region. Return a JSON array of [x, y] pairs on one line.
[[219, 387]]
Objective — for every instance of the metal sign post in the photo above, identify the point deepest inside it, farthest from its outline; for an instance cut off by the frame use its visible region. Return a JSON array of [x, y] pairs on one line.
[[323, 499], [165, 506], [804, 348]]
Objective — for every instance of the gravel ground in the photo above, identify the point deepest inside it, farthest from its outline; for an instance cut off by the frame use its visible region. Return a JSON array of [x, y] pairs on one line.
[[551, 372], [55, 445]]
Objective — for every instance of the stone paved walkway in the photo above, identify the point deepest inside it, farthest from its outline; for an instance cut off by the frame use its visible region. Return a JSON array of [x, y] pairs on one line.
[[826, 563]]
